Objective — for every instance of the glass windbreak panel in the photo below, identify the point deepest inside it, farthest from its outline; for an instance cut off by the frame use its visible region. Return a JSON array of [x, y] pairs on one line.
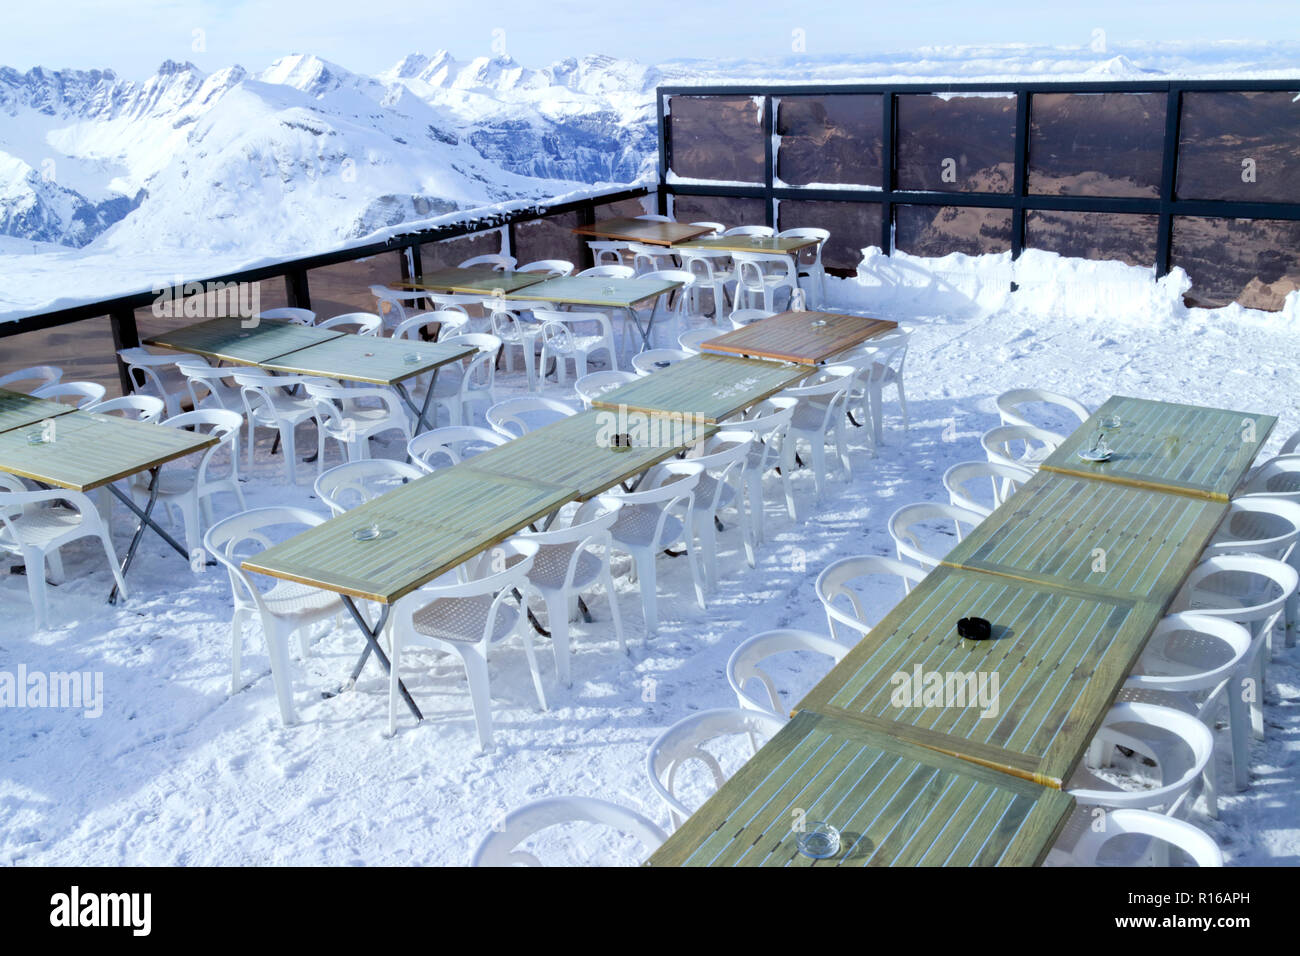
[[219, 301], [830, 140], [716, 137], [549, 238], [1096, 144], [728, 210], [952, 143], [1252, 261], [938, 230], [450, 253], [1240, 146], [624, 209], [853, 226], [84, 350], [1094, 235], [345, 287]]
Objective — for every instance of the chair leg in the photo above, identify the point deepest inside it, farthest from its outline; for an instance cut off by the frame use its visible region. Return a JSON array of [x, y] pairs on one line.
[[526, 632], [236, 648], [277, 647], [754, 489], [557, 608], [1239, 730], [35, 562], [644, 560], [289, 448], [613, 607], [476, 672]]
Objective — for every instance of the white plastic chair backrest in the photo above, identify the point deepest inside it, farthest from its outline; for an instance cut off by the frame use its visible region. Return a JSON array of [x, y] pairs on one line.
[[723, 450], [287, 314], [684, 742], [1278, 477], [608, 272], [575, 320], [654, 217], [365, 323], [693, 340], [808, 232], [38, 374], [753, 273], [204, 380], [648, 362], [500, 848], [454, 442], [496, 261], [1257, 524], [664, 487], [742, 665], [77, 394], [445, 319], [480, 367], [1291, 444], [221, 422], [507, 417], [496, 584], [557, 338], [356, 482], [140, 408], [1009, 404], [228, 540], [765, 232], [832, 383], [742, 317], [1234, 638], [552, 267], [1036, 443], [594, 384], [452, 302], [1272, 582], [717, 227], [843, 604], [905, 519], [589, 528], [1117, 823], [600, 249], [1003, 479]]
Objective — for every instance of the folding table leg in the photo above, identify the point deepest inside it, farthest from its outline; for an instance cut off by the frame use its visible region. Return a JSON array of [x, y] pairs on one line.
[[421, 413], [372, 644], [145, 517]]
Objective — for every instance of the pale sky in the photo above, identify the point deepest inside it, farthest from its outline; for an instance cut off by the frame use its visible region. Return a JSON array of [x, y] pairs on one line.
[[370, 35]]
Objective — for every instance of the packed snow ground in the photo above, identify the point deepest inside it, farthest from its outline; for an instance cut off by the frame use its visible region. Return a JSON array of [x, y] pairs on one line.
[[177, 771]]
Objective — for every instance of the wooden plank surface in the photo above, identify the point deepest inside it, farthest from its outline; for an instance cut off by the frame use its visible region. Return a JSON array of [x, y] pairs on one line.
[[18, 409], [715, 387], [475, 280], [1180, 448], [773, 245], [428, 527], [590, 290], [797, 336], [369, 359], [227, 340], [643, 230], [1093, 537], [91, 450], [893, 803], [1058, 659]]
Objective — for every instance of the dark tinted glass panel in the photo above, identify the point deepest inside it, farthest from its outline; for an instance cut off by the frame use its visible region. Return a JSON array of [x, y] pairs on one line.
[[238, 300], [549, 238], [958, 144], [1252, 261], [452, 252], [345, 287], [1243, 146], [853, 226], [626, 209], [716, 137], [1094, 235], [728, 210], [830, 139], [939, 230], [1096, 144], [84, 350]]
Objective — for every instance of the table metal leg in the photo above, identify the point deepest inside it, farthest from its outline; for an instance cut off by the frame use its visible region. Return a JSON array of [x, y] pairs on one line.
[[372, 644], [421, 413], [146, 518]]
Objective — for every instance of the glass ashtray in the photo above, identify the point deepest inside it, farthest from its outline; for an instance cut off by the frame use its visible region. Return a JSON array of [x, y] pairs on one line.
[[37, 438], [411, 358], [818, 323], [369, 534], [820, 841]]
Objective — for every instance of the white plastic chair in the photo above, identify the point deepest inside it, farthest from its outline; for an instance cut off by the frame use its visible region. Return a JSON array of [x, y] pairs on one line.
[[1034, 444], [904, 522], [190, 483], [1268, 527], [467, 619], [883, 360], [507, 418], [355, 482], [452, 302], [814, 270], [654, 217], [659, 514], [157, 375], [671, 306], [743, 665], [722, 486], [76, 394], [210, 387], [357, 323], [1010, 405], [296, 316], [1278, 478], [569, 562], [769, 422], [647, 259], [500, 848], [34, 525], [760, 275], [136, 408], [713, 272], [1004, 480], [470, 382], [515, 332], [743, 317], [500, 263], [693, 340], [552, 267], [1122, 823], [684, 741], [763, 232], [453, 442], [820, 417], [607, 271], [269, 404], [606, 253], [353, 415], [38, 375], [286, 608], [445, 319], [652, 360], [594, 384], [393, 302], [844, 605], [575, 337]]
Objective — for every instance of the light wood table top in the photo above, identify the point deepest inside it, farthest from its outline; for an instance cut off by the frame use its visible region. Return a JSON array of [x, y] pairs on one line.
[[648, 231], [369, 359], [91, 450], [18, 409], [771, 245], [1059, 658], [798, 336], [714, 387], [892, 802], [474, 280], [590, 290], [427, 527], [228, 340], [1180, 448]]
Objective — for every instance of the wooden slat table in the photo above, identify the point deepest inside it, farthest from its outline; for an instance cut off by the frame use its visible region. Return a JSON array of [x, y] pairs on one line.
[[18, 409], [770, 245], [714, 387], [1060, 658], [227, 340], [375, 361], [648, 231], [474, 280], [623, 295], [91, 451], [1180, 448], [893, 803], [796, 336]]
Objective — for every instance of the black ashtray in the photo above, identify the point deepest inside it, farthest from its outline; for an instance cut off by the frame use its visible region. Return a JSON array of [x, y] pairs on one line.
[[621, 442], [974, 629]]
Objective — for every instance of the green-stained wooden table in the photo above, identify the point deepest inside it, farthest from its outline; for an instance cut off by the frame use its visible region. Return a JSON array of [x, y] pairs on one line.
[[425, 528], [18, 409], [807, 337], [229, 340], [649, 231], [474, 280], [376, 361], [1179, 448], [893, 804], [768, 245], [601, 293], [713, 387], [84, 451]]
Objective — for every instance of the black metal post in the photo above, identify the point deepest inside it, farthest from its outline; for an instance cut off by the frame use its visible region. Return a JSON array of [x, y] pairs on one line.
[[125, 336]]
